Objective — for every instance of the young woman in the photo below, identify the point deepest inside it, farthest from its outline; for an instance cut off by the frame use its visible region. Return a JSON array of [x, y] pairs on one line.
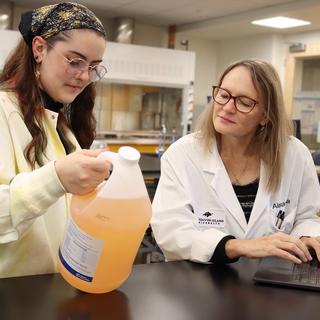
[[241, 185], [46, 101]]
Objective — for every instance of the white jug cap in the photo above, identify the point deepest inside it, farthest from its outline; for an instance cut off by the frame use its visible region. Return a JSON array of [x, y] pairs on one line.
[[129, 153]]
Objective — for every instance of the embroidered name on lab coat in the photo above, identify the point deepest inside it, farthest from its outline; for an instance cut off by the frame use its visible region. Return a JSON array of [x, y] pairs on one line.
[[280, 204]]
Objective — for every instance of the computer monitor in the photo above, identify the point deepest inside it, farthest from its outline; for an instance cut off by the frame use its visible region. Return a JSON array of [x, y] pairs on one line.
[[297, 128]]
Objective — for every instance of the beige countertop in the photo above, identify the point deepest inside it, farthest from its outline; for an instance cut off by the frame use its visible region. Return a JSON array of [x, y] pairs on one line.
[[133, 138]]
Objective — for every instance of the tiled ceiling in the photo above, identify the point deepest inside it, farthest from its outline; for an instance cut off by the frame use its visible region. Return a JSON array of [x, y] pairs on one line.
[[204, 18]]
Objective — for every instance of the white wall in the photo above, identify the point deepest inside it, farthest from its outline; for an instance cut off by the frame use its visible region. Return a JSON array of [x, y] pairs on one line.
[[212, 57], [206, 52], [17, 11], [310, 37], [270, 47], [11, 39], [147, 35], [231, 50], [279, 53], [205, 56]]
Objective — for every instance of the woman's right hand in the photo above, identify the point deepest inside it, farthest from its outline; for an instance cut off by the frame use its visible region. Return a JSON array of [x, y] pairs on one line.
[[81, 172], [278, 244]]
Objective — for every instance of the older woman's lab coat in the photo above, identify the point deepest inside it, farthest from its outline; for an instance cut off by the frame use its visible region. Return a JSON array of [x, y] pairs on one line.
[[195, 205]]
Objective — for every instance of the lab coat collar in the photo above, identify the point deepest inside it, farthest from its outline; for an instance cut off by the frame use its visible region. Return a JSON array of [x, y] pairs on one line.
[[211, 161], [52, 117]]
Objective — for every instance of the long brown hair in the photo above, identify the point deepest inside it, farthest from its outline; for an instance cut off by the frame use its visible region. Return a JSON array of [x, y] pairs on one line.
[[269, 141], [18, 75]]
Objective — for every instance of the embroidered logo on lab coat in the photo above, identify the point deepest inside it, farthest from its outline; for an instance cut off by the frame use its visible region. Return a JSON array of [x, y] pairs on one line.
[[207, 214], [214, 218]]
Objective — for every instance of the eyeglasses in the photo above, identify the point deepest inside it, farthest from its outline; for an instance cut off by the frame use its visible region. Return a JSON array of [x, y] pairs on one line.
[[77, 65], [242, 103]]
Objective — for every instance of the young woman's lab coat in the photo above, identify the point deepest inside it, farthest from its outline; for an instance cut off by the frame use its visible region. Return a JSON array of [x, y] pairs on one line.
[[33, 203], [195, 205]]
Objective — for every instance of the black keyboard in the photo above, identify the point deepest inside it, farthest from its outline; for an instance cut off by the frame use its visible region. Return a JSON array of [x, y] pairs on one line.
[[307, 272]]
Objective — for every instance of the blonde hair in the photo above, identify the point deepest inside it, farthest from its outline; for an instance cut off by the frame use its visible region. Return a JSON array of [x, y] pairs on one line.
[[270, 140]]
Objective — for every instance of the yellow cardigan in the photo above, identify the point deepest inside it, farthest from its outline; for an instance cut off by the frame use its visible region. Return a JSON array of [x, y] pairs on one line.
[[33, 203]]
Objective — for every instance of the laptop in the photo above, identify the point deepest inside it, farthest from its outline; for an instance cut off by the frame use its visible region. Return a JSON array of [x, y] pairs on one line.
[[276, 271]]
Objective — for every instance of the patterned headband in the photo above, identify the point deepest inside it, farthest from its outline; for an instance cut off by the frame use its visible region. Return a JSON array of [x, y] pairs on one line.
[[49, 20]]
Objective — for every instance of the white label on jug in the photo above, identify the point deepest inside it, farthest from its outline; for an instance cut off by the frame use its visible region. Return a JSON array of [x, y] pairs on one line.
[[79, 252]]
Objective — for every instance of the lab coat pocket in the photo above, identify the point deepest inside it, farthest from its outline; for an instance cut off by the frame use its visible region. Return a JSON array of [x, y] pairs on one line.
[[282, 220], [210, 217]]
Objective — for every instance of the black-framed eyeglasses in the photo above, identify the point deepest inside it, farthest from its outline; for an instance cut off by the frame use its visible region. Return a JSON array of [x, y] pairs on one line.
[[77, 65], [242, 103]]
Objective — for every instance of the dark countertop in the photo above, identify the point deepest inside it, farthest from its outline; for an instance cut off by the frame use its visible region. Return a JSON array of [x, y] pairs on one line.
[[174, 290]]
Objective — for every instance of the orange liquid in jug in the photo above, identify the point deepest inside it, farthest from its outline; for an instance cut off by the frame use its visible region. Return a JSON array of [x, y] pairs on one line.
[[121, 224]]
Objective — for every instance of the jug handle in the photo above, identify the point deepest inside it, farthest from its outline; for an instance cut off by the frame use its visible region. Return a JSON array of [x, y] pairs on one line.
[[130, 154], [109, 156], [113, 158]]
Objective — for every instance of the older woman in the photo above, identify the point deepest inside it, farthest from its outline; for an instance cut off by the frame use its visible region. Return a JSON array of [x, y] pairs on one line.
[[241, 185]]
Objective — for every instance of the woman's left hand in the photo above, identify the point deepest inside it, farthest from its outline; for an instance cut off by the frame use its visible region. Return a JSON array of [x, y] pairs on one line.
[[312, 243]]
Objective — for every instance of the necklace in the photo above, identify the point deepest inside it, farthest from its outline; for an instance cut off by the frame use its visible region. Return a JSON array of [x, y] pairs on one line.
[[235, 178]]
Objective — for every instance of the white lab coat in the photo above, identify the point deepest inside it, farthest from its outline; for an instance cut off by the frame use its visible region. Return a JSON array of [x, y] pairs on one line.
[[195, 205], [33, 203]]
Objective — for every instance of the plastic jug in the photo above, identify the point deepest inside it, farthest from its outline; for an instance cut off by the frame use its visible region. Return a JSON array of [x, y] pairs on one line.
[[106, 227]]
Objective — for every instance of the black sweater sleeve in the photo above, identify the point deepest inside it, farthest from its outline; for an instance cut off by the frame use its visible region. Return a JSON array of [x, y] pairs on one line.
[[219, 255]]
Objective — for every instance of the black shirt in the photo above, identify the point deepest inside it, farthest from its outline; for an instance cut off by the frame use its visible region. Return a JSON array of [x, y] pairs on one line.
[[49, 103], [55, 106], [246, 195]]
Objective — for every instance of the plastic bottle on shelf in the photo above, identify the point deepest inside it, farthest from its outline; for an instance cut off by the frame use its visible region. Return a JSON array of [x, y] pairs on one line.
[[106, 227]]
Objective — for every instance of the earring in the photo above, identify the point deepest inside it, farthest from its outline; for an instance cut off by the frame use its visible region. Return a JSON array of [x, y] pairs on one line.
[[261, 130], [37, 73]]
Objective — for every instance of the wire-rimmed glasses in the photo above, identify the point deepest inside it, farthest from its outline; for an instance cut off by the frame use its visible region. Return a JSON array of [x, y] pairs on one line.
[[77, 65]]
